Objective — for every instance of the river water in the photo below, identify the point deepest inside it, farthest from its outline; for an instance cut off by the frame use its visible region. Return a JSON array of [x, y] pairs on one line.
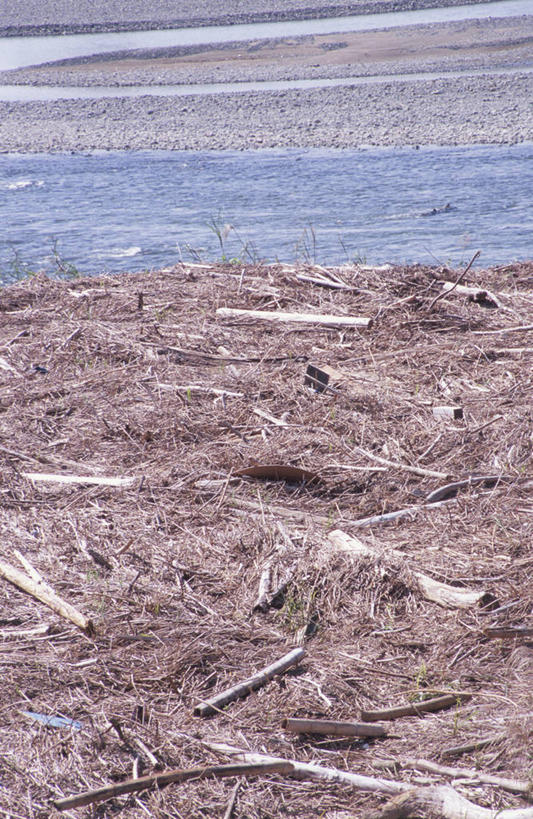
[[131, 211]]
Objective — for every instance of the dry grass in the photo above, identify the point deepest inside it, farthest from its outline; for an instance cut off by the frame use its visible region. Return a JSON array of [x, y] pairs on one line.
[[169, 569]]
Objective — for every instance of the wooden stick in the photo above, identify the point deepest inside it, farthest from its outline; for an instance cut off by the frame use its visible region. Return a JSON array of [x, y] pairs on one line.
[[477, 745], [43, 592], [232, 801], [212, 705], [332, 728], [323, 282], [311, 771], [441, 802], [410, 511], [511, 785], [477, 294], [519, 328], [451, 489], [169, 777], [416, 470], [433, 590], [507, 632], [416, 708], [318, 319], [459, 278], [74, 479], [261, 604]]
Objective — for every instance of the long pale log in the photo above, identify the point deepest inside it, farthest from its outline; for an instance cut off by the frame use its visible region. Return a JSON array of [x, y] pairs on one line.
[[442, 802], [332, 728], [212, 705], [416, 708], [511, 785], [319, 773], [318, 319], [75, 479], [433, 590], [169, 777], [42, 591]]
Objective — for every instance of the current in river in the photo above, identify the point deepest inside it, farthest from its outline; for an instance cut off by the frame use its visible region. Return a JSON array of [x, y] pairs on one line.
[[125, 211]]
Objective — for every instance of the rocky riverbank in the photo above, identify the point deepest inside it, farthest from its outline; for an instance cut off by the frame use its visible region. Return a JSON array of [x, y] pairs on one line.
[[490, 103]]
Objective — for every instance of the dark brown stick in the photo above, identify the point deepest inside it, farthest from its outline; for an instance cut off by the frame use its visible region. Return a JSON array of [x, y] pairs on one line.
[[163, 779], [212, 705], [332, 728], [414, 709]]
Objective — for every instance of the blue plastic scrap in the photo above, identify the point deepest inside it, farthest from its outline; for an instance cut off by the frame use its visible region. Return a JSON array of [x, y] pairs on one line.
[[54, 722]]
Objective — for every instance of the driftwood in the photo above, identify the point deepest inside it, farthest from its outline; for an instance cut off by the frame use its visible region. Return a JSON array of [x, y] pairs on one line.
[[332, 728], [450, 490], [448, 412], [318, 773], [476, 745], [434, 590], [262, 604], [416, 470], [438, 802], [162, 779], [441, 802], [318, 319], [386, 517], [34, 585], [212, 705], [477, 294], [74, 479], [511, 785], [416, 708], [507, 632]]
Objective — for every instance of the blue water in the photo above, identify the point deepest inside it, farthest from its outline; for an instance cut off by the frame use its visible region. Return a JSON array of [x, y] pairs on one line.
[[132, 211]]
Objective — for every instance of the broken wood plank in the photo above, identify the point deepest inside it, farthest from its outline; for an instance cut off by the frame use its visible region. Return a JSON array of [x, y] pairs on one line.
[[414, 709], [433, 590], [160, 780], [78, 479], [332, 728], [214, 704], [448, 412], [42, 591], [317, 319]]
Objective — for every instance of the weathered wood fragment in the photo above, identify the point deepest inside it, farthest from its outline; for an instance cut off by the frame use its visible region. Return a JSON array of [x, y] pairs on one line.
[[476, 745], [441, 802], [511, 785], [415, 470], [507, 632], [214, 704], [448, 412], [434, 590], [36, 587], [160, 780], [90, 480], [477, 294], [332, 728], [317, 319], [416, 708]]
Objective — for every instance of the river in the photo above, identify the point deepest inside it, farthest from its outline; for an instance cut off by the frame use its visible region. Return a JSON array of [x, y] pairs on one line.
[[129, 211]]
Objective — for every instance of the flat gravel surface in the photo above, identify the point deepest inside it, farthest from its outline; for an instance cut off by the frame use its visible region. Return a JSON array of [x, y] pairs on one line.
[[39, 16], [482, 107]]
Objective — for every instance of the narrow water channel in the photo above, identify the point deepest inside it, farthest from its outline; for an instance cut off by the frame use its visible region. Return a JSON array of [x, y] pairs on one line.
[[16, 52]]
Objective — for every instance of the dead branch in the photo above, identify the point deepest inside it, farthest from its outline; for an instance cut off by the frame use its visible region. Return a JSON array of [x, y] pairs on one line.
[[434, 590], [441, 802], [217, 702], [178, 776], [318, 319], [36, 587], [511, 785], [416, 470], [477, 745], [409, 511], [451, 489], [332, 728], [318, 773], [415, 708]]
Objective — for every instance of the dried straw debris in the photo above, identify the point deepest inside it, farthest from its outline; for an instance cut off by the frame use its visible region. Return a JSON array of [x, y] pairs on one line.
[[177, 515]]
